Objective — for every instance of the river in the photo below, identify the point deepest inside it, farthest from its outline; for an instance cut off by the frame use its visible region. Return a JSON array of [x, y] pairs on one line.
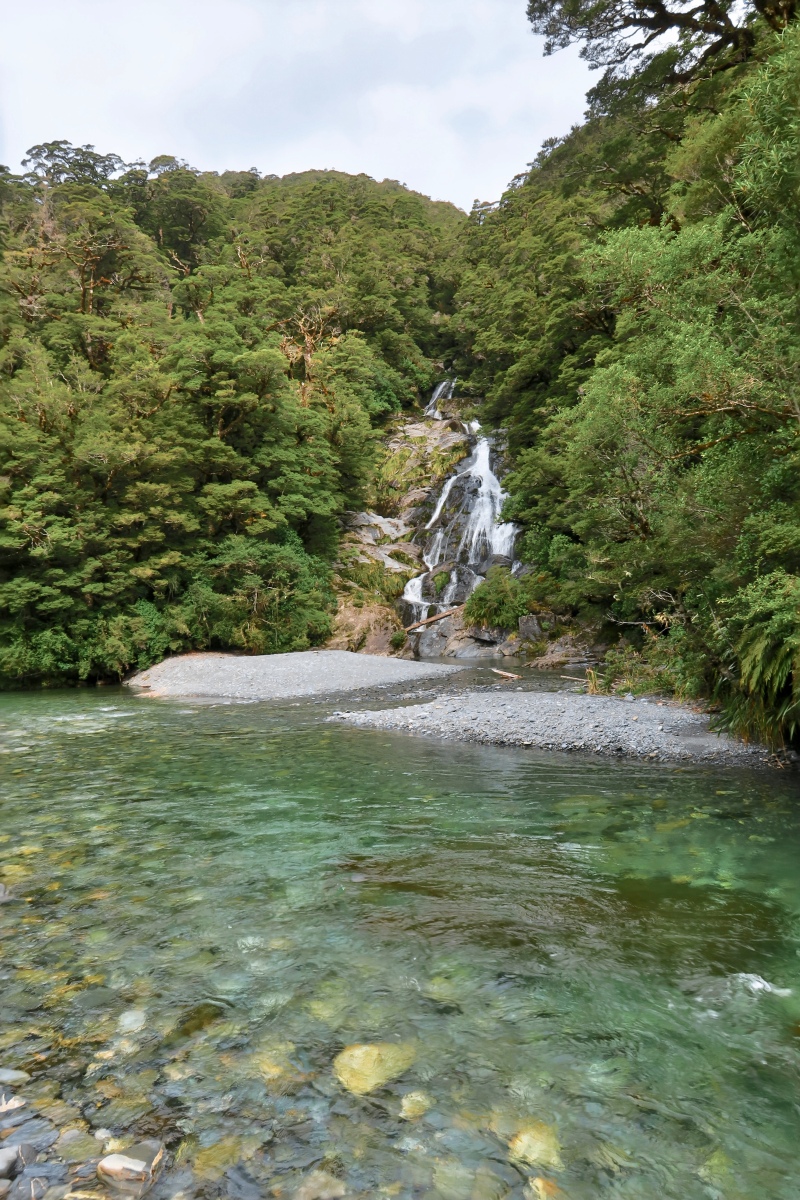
[[212, 901]]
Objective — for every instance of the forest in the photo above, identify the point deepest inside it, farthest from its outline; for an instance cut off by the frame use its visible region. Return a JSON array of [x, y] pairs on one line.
[[195, 370]]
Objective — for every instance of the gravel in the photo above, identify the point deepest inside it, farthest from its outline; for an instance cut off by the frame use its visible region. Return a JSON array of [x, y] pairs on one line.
[[606, 725], [278, 676]]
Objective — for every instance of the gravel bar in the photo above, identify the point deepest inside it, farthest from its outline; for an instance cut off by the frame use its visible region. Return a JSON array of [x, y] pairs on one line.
[[606, 725], [279, 676]]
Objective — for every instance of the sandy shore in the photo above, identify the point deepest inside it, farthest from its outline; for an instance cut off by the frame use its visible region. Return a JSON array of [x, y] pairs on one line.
[[279, 676], [565, 721]]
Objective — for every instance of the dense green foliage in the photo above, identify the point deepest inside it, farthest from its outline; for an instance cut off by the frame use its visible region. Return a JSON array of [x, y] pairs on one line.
[[633, 304], [192, 372]]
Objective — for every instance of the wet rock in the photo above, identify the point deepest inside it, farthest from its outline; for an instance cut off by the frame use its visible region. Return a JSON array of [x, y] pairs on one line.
[[133, 1172], [320, 1186], [197, 1018], [36, 1180], [241, 1186], [363, 1068], [8, 1162], [415, 1104], [95, 998], [537, 1145], [211, 1162], [76, 1145], [132, 1020], [5, 1188], [26, 1155], [38, 1133], [540, 1188], [13, 1119], [488, 1185], [9, 1077], [453, 1180], [12, 1078]]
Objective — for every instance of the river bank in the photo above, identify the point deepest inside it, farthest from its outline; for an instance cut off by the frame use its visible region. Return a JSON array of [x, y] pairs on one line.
[[532, 712], [644, 728]]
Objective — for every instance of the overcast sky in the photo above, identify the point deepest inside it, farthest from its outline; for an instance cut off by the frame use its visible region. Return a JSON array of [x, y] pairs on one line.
[[451, 97]]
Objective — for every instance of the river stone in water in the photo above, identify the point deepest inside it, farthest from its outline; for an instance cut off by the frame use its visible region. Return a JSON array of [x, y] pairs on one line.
[[320, 1186], [133, 1172], [363, 1068], [8, 1161], [536, 1144], [414, 1105], [9, 1077], [76, 1145]]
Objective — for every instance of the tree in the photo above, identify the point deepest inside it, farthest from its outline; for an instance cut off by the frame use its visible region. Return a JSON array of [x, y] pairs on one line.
[[621, 35]]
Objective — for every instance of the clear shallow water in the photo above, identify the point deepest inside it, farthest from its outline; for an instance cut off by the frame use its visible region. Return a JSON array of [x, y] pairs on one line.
[[216, 900]]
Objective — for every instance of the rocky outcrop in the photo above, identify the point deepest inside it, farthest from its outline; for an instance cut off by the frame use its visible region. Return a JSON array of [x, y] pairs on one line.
[[366, 629]]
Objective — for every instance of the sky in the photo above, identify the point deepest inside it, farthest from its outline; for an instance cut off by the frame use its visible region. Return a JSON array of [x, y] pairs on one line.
[[451, 97]]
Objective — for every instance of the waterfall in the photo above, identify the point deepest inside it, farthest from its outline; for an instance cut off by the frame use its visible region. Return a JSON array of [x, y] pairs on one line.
[[465, 529], [442, 391]]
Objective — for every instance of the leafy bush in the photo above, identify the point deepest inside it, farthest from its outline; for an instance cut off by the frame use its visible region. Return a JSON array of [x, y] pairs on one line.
[[761, 687], [499, 601]]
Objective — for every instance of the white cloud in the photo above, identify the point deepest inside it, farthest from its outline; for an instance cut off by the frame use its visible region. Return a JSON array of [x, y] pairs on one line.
[[451, 97]]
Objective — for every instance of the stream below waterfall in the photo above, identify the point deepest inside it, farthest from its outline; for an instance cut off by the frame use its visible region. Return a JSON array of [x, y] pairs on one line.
[[465, 534], [587, 971]]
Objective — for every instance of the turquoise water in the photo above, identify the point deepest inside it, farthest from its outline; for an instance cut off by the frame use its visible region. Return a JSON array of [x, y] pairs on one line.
[[213, 901]]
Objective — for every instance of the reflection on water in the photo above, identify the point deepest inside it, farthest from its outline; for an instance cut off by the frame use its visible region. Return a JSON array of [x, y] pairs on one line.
[[595, 966]]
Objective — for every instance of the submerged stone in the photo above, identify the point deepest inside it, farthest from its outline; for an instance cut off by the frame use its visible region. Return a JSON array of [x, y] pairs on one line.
[[537, 1145], [76, 1145], [320, 1186], [8, 1161], [415, 1104], [364, 1067], [540, 1188], [198, 1018], [132, 1020], [9, 1077], [135, 1171]]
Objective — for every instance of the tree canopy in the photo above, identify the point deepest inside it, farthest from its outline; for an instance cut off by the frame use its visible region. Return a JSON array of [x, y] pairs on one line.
[[193, 372]]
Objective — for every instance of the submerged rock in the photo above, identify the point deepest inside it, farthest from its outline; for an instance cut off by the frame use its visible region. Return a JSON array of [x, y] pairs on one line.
[[8, 1162], [76, 1145], [415, 1104], [543, 1189], [320, 1186], [537, 1145], [363, 1068], [10, 1077], [135, 1171], [35, 1181]]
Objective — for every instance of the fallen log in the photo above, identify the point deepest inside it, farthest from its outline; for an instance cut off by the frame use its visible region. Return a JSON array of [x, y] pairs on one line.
[[430, 620], [505, 674]]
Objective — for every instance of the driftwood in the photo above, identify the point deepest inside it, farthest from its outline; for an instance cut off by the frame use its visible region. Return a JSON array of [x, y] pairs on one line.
[[505, 674], [430, 620]]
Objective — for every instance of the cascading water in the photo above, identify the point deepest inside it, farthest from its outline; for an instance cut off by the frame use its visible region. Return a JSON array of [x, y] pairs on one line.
[[466, 533], [442, 391]]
